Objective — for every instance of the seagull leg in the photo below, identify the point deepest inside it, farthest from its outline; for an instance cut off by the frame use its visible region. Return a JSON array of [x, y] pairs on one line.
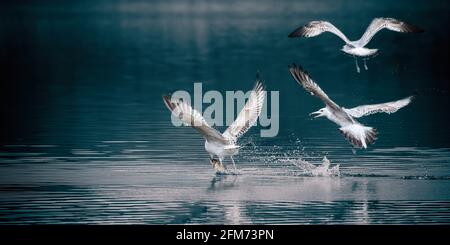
[[211, 159], [232, 160], [365, 65], [357, 66]]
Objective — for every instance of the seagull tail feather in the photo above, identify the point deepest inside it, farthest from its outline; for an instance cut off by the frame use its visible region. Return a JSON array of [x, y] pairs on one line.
[[359, 135], [167, 101]]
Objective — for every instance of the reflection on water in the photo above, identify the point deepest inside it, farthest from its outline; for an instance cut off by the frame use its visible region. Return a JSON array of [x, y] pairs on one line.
[[126, 184], [102, 210], [85, 137]]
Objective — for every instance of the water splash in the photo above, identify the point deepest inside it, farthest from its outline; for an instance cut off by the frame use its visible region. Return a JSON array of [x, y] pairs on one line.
[[294, 153], [323, 170]]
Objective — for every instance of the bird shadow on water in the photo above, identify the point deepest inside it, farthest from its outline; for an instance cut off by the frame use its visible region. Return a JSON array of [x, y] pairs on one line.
[[222, 182]]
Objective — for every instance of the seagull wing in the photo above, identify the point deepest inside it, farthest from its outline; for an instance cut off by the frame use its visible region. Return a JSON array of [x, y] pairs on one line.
[[302, 78], [249, 113], [378, 24], [193, 118], [389, 107], [315, 28]]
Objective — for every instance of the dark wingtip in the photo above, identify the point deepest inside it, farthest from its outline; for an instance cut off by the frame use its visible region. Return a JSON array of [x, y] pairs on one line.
[[292, 68], [295, 66], [259, 80], [167, 101], [165, 97], [299, 74], [293, 34], [299, 32], [412, 28], [299, 68]]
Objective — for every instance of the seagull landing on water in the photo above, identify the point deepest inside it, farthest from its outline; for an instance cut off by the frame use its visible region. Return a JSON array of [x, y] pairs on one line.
[[217, 144], [356, 133], [355, 48]]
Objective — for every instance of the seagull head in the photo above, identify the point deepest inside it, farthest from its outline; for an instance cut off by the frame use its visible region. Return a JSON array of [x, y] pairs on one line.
[[320, 113]]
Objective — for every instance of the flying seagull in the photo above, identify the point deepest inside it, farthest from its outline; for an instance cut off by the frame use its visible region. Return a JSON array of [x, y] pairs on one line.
[[355, 48], [217, 144], [356, 133]]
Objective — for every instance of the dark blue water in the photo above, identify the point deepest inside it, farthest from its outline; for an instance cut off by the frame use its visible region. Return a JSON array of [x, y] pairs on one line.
[[85, 137]]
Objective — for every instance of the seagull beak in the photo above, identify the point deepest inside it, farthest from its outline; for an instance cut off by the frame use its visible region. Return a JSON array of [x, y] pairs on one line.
[[316, 114]]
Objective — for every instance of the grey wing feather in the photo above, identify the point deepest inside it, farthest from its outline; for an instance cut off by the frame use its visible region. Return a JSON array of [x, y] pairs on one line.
[[193, 118], [315, 28], [249, 113], [302, 78], [389, 107], [378, 24]]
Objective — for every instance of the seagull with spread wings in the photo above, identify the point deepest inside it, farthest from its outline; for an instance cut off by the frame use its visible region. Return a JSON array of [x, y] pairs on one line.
[[356, 133], [356, 48], [217, 144]]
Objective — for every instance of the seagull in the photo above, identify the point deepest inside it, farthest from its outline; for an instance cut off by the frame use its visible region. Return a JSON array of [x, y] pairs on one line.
[[217, 144], [356, 48], [356, 133]]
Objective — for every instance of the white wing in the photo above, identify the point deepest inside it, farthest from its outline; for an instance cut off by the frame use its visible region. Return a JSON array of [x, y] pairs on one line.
[[315, 28], [378, 24], [248, 115], [194, 119], [389, 107]]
